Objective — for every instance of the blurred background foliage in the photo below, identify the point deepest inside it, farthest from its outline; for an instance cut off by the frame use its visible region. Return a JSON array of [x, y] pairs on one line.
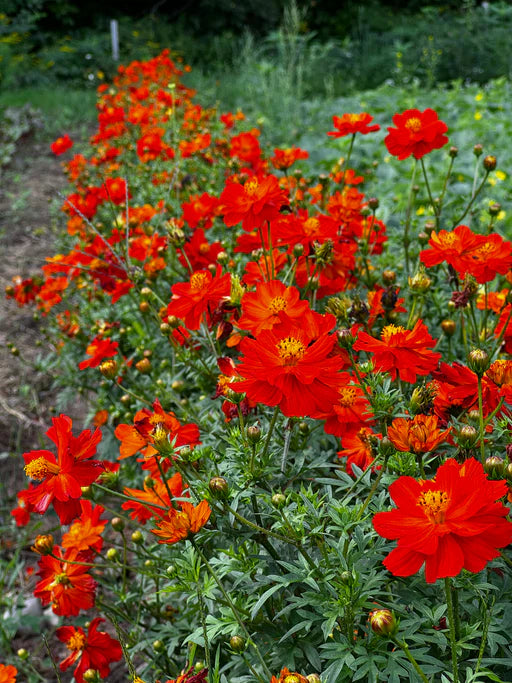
[[345, 46]]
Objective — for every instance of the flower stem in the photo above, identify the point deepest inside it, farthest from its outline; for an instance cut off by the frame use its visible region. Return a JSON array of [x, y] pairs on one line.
[[481, 420], [403, 646], [270, 431], [451, 622], [234, 610], [408, 218]]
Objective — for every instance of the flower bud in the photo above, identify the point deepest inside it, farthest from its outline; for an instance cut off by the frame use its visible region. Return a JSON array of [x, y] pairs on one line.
[[178, 385], [253, 434], [43, 544], [373, 203], [298, 250], [383, 622], [421, 400], [137, 537], [467, 436], [165, 328], [429, 226], [22, 653], [479, 361], [158, 646], [345, 338], [112, 554], [448, 326], [185, 452], [143, 366], [490, 162], [304, 428], [223, 257], [389, 277], [117, 523], [237, 643], [219, 487], [126, 399], [346, 577], [171, 570], [494, 209], [144, 307], [91, 676], [108, 368], [423, 238], [494, 466], [174, 322], [478, 150], [313, 678], [453, 152], [420, 282], [278, 500]]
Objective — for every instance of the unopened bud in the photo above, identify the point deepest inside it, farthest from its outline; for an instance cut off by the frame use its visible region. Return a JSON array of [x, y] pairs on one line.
[[478, 150], [490, 162], [144, 366], [453, 152], [117, 523], [383, 622], [373, 203], [112, 554], [237, 643], [389, 277], [278, 500], [494, 209], [158, 646], [345, 338], [448, 326], [420, 282], [219, 487], [494, 466], [254, 433], [298, 250], [137, 537], [313, 678], [91, 676], [22, 653], [108, 368], [479, 361], [223, 257], [144, 307], [467, 436], [43, 544]]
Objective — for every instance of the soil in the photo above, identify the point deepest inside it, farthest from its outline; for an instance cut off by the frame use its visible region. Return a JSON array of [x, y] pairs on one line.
[[29, 224]]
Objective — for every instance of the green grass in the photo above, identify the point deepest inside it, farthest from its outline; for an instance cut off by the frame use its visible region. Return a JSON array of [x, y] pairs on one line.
[[63, 109]]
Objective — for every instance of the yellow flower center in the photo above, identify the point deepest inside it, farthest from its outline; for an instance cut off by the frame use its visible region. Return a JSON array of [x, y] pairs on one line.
[[291, 678], [251, 187], [353, 118], [413, 124], [76, 642], [198, 281], [40, 468], [204, 248], [278, 303], [434, 504], [291, 350], [311, 225], [62, 579], [347, 396], [390, 331]]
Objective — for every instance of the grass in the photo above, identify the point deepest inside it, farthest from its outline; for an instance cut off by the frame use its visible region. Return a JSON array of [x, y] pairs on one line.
[[63, 109]]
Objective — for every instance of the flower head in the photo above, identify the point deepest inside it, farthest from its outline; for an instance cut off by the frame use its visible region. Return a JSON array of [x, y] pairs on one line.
[[61, 145], [258, 200], [350, 124], [419, 435], [92, 650], [179, 524], [417, 133], [8, 673], [452, 522]]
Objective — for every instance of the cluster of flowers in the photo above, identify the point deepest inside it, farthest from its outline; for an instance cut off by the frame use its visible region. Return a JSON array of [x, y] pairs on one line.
[[271, 302]]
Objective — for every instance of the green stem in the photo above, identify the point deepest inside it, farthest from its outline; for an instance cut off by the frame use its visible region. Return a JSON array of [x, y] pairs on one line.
[[371, 492], [55, 668], [429, 192], [403, 646], [205, 635], [451, 622], [408, 218], [474, 196], [270, 431], [481, 420], [234, 610]]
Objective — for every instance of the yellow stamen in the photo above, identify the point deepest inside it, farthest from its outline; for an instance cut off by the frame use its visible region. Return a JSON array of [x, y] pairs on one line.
[[198, 281], [413, 124], [278, 303], [251, 187], [40, 468], [347, 396], [291, 350], [434, 504], [76, 642], [390, 330]]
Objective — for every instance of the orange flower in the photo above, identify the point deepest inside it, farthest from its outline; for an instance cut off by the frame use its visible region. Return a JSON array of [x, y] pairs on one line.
[[351, 412], [154, 499], [419, 435], [179, 524], [265, 307], [256, 201], [287, 676], [417, 133], [350, 124], [357, 448], [68, 587], [284, 158], [86, 530], [8, 673], [401, 352], [452, 522], [98, 350]]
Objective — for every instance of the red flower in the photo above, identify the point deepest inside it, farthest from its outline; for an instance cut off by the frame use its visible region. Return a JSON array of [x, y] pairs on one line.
[[8, 673], [284, 158], [350, 124], [454, 247], [287, 676], [63, 476], [61, 145], [190, 676], [450, 523], [179, 524], [68, 587], [294, 366], [401, 352], [417, 133], [152, 501], [98, 349], [357, 448], [256, 201], [195, 300], [92, 650]]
